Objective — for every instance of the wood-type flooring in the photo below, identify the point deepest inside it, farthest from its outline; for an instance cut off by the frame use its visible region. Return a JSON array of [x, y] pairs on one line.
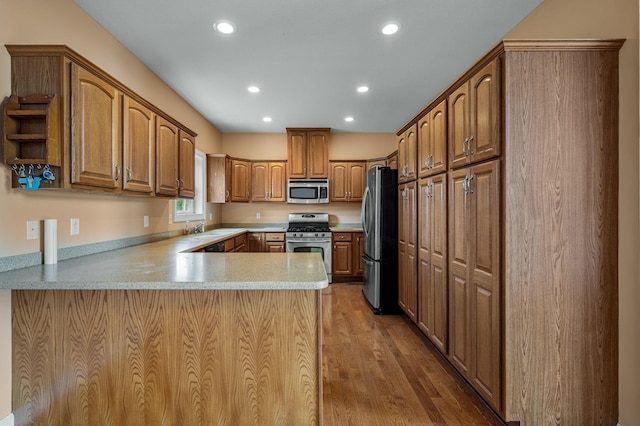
[[379, 370]]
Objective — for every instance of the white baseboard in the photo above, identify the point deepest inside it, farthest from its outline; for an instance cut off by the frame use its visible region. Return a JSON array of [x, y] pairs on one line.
[[7, 421]]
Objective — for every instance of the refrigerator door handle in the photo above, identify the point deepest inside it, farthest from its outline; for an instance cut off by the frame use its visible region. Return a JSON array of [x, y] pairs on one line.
[[366, 259], [363, 212]]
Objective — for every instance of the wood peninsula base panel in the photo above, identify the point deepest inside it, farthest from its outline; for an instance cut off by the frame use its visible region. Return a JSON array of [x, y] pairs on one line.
[[174, 357]]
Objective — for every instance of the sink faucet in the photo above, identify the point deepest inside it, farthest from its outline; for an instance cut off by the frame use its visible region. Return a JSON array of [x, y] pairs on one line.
[[199, 228]]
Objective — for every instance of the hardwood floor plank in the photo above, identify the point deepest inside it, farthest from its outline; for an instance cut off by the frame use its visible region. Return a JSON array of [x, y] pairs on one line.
[[379, 370]]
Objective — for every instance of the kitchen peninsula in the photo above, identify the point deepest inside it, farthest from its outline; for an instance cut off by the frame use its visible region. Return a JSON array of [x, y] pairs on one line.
[[155, 334]]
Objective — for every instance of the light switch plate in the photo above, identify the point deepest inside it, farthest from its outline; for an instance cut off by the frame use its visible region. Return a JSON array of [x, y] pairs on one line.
[[146, 221], [75, 226], [32, 230]]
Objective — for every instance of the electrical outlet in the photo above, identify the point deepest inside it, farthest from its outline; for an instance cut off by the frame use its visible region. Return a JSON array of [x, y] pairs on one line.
[[75, 226], [32, 230], [257, 215], [146, 221]]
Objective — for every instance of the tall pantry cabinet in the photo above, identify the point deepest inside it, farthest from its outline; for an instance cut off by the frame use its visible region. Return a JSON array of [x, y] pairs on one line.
[[531, 218]]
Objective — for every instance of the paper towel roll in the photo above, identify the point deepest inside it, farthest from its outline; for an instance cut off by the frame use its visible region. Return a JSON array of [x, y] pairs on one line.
[[50, 241]]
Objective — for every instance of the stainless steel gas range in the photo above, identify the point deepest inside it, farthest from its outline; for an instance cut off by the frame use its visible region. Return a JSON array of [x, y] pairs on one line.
[[310, 233]]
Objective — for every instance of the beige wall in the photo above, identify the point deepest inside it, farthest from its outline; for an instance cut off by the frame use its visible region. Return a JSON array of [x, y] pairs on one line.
[[273, 146], [611, 19], [102, 217]]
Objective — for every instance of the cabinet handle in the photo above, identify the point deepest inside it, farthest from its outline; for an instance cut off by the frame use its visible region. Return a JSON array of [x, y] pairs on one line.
[[128, 174], [177, 184], [117, 167], [465, 183], [427, 191], [469, 189], [226, 195], [471, 151], [465, 150]]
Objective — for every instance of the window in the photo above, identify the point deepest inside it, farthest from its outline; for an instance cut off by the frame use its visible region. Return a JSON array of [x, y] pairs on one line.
[[186, 209]]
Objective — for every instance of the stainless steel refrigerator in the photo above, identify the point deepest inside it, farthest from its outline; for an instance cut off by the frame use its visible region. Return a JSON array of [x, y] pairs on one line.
[[379, 217]]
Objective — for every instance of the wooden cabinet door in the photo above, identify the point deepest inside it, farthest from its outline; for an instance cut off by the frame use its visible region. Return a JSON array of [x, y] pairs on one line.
[[338, 187], [392, 161], [218, 178], [255, 242], [357, 181], [425, 285], [485, 139], [240, 180], [138, 147], [259, 181], [358, 251], [342, 258], [274, 247], [484, 279], [424, 144], [268, 181], [408, 154], [379, 162], [167, 154], [277, 182], [407, 246], [459, 307], [459, 126], [96, 131], [438, 272], [318, 154], [187, 166], [432, 259], [402, 157], [439, 142], [297, 153]]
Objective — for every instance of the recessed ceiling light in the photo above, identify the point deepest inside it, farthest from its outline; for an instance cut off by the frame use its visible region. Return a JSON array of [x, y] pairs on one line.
[[223, 27], [362, 89], [253, 89], [390, 28], [348, 119], [266, 119]]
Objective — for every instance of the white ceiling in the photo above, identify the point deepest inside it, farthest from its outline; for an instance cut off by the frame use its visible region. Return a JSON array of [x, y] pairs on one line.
[[308, 56]]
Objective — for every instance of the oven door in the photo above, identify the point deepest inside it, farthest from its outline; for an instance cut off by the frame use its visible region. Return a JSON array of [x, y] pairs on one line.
[[322, 247]]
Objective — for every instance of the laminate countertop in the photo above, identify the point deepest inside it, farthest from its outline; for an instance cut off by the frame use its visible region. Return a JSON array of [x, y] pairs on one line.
[[170, 265]]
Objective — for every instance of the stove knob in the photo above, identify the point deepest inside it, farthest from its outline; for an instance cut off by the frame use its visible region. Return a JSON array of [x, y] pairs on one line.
[[316, 235]]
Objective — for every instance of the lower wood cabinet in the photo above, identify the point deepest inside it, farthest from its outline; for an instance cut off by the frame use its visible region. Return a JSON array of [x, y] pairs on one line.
[[270, 242], [432, 259], [407, 250], [348, 248]]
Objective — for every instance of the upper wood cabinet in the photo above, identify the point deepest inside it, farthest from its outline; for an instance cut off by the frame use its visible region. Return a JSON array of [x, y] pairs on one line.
[[96, 131], [392, 160], [308, 155], [218, 178], [348, 181], [269, 181], [474, 117], [240, 180], [106, 137], [376, 162], [407, 154], [176, 153], [167, 152], [187, 166], [138, 155], [432, 141]]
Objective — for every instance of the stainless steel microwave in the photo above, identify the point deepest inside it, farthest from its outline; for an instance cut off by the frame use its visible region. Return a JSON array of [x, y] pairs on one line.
[[308, 191]]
